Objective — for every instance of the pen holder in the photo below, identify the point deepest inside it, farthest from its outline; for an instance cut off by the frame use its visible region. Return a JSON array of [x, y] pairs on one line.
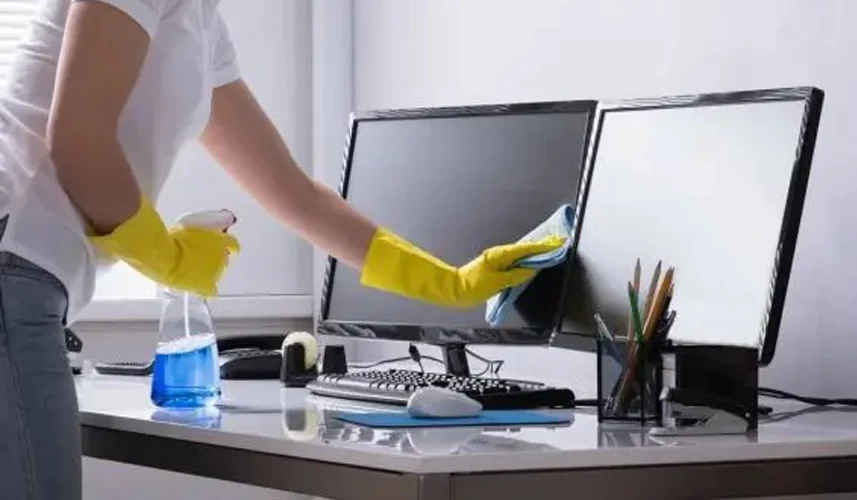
[[630, 378]]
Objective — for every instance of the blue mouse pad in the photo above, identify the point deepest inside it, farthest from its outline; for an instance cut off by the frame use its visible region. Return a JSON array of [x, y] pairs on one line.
[[485, 418]]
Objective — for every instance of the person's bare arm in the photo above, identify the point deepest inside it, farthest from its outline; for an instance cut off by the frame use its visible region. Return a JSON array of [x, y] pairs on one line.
[[246, 144], [99, 63]]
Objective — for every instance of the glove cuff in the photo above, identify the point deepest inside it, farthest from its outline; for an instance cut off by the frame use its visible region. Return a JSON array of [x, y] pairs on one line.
[[394, 264], [142, 241]]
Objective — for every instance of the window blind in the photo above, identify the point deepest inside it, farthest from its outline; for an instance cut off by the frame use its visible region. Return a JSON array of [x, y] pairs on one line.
[[14, 18]]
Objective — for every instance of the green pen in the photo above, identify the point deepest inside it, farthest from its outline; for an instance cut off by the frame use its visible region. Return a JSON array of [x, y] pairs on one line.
[[635, 314]]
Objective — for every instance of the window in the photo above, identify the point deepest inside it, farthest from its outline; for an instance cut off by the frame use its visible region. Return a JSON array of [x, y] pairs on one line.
[[14, 16]]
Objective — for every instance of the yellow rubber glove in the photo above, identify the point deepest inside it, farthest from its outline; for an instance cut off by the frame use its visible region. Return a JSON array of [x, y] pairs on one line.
[[184, 258], [395, 265]]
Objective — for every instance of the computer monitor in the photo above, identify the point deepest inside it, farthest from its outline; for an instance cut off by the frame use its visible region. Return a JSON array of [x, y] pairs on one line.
[[456, 181], [711, 184]]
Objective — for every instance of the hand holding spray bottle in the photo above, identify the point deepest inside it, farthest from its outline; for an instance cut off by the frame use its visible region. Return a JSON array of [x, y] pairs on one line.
[[186, 372]]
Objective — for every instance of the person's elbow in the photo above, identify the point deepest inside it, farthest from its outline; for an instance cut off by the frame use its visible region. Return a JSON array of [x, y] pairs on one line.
[[93, 171]]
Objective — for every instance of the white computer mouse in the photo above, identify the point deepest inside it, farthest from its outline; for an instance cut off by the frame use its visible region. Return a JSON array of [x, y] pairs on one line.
[[437, 402]]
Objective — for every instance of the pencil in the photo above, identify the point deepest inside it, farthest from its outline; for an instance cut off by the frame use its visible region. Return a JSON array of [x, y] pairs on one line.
[[626, 386], [657, 312], [636, 287], [664, 322], [653, 286]]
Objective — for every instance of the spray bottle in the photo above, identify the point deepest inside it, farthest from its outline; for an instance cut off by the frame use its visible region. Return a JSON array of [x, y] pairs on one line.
[[186, 372]]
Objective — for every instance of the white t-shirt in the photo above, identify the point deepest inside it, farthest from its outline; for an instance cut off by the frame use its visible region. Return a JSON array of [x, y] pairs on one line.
[[190, 54]]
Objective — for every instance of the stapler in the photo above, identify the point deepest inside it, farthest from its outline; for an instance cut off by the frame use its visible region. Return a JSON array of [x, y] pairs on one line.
[[691, 412]]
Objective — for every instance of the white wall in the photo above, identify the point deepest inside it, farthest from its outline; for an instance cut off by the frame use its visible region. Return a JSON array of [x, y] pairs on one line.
[[273, 44], [448, 52]]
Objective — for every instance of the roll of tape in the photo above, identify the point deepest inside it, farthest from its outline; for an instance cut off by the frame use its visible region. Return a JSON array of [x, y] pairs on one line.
[[310, 345]]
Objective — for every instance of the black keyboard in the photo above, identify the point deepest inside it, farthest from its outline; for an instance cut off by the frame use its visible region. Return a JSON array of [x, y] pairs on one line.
[[396, 386]]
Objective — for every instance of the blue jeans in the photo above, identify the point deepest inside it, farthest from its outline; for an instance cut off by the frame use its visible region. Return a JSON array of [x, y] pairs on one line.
[[40, 442]]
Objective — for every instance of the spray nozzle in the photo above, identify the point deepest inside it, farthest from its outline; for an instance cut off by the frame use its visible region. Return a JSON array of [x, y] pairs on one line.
[[209, 219]]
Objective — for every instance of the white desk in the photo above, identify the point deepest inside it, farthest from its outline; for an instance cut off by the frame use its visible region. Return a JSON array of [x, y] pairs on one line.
[[282, 438]]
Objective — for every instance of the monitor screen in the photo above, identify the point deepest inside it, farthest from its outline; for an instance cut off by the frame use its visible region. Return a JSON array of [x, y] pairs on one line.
[[713, 191], [456, 183]]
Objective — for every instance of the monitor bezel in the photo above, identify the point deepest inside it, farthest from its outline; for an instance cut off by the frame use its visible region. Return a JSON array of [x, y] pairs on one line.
[[813, 99], [430, 334]]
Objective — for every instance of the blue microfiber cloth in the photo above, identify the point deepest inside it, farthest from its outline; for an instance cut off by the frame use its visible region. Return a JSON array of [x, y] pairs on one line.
[[558, 224], [486, 418]]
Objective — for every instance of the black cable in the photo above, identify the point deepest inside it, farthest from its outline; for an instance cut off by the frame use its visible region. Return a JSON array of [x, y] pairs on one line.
[[810, 400], [780, 417], [493, 366], [393, 360], [379, 363]]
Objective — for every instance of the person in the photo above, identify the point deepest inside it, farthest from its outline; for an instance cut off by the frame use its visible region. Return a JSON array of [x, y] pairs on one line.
[[100, 98]]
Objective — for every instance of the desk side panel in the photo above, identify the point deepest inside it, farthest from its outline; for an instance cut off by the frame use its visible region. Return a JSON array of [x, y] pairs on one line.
[[674, 482], [321, 479]]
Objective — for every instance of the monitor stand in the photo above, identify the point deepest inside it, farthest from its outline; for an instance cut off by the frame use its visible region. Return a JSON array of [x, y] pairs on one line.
[[455, 359]]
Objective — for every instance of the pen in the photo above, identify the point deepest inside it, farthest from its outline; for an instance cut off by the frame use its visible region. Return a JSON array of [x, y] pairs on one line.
[[664, 328], [605, 332]]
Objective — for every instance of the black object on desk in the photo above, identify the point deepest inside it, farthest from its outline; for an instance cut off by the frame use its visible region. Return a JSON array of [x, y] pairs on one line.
[[235, 364], [247, 357], [294, 371], [710, 389], [333, 360], [396, 386], [250, 364], [133, 368], [250, 357]]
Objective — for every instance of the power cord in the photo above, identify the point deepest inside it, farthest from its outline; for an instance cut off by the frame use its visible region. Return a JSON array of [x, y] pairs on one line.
[[814, 401], [492, 366], [417, 357], [413, 355], [365, 366], [783, 416]]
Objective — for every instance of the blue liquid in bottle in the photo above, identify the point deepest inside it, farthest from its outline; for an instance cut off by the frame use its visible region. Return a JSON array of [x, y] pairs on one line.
[[186, 373]]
